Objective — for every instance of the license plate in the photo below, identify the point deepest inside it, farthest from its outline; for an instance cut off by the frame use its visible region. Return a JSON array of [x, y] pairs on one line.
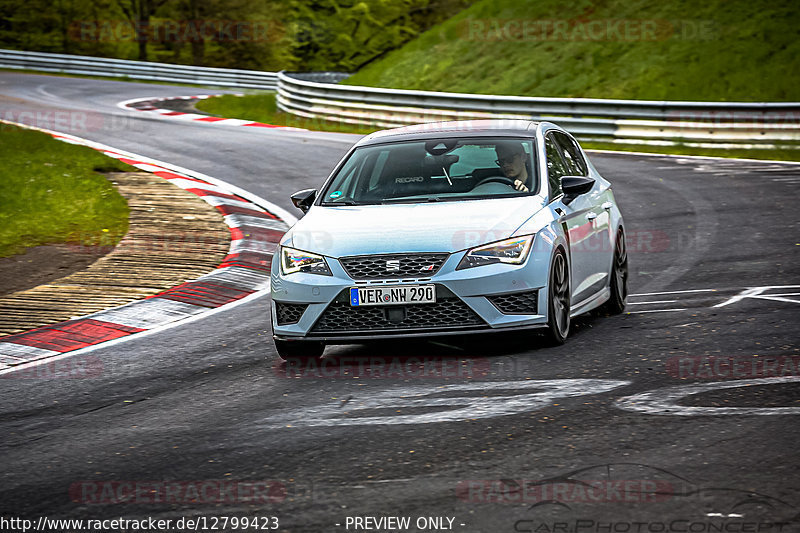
[[393, 295]]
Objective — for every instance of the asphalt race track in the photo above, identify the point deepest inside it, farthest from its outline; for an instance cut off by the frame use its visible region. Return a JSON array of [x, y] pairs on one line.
[[491, 433]]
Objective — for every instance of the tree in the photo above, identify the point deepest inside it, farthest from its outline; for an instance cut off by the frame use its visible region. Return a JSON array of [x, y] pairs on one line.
[[139, 13]]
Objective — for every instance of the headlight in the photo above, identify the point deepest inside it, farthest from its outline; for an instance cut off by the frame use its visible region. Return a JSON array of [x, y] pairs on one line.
[[513, 251], [298, 261]]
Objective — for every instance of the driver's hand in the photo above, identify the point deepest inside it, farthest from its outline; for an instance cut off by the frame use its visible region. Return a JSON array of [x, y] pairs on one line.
[[520, 186]]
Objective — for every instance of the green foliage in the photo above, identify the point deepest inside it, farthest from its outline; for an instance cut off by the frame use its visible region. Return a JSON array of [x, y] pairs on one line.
[[251, 34], [51, 193], [724, 50]]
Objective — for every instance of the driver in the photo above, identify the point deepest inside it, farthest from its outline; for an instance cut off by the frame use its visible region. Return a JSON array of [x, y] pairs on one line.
[[511, 158]]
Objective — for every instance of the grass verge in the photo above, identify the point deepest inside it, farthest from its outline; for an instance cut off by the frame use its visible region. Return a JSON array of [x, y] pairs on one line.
[[263, 107], [54, 192]]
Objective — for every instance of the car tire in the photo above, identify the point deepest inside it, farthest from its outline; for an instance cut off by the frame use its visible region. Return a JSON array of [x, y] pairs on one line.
[[299, 350], [619, 278], [558, 300]]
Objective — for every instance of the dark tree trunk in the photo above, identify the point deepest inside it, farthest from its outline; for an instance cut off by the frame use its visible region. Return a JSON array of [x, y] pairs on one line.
[[198, 43]]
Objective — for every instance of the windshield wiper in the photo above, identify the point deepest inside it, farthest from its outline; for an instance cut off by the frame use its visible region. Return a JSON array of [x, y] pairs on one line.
[[343, 202]]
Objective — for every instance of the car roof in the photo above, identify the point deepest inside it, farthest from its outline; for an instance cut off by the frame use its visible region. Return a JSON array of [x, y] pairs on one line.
[[456, 128]]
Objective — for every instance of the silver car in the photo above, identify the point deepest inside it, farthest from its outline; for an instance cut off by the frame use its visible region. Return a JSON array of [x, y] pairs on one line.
[[449, 228]]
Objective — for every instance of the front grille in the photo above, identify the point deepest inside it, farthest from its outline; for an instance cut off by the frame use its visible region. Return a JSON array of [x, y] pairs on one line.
[[393, 266], [448, 312], [289, 313], [518, 303]]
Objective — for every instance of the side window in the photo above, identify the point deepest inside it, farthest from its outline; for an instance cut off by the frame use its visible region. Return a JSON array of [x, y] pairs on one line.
[[556, 167], [572, 155]]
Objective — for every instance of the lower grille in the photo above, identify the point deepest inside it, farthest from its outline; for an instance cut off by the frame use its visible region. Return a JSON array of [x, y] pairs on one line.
[[448, 312], [517, 303], [289, 313]]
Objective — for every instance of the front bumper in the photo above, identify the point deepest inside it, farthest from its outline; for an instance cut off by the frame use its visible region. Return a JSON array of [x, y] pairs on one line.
[[473, 300]]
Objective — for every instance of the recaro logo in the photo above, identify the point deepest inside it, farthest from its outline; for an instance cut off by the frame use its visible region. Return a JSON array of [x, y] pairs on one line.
[[409, 179]]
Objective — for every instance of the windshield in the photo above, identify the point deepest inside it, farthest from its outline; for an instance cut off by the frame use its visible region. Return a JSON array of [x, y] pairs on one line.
[[435, 170]]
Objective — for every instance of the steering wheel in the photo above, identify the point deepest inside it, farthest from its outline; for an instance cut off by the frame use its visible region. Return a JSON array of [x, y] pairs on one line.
[[496, 179]]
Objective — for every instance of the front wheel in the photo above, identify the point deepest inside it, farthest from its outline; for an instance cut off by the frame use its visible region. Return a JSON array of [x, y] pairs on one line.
[[619, 278], [302, 350], [558, 300]]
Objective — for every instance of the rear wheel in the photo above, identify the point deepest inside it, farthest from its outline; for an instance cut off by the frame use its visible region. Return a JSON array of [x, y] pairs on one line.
[[558, 301], [301, 350], [619, 278]]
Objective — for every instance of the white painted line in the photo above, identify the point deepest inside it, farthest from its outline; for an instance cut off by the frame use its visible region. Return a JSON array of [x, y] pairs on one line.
[[654, 311], [473, 403], [653, 302], [776, 298], [754, 292], [673, 292], [666, 401]]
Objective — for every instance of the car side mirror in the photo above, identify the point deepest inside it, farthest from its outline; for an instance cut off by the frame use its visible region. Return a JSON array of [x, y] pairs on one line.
[[574, 186], [303, 200]]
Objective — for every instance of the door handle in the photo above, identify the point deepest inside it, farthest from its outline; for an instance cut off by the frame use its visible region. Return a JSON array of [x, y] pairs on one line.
[[607, 206], [591, 216]]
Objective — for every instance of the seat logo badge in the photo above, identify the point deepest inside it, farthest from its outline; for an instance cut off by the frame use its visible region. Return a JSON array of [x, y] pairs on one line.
[[393, 265]]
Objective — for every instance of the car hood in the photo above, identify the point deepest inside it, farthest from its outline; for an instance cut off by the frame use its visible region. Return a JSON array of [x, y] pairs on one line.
[[428, 227]]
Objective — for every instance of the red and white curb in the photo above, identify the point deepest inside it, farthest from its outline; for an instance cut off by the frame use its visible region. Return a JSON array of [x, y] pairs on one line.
[[256, 226], [150, 105]]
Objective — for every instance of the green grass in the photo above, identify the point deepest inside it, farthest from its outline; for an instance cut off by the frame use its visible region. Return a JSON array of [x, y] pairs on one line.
[[53, 192], [262, 107], [719, 50]]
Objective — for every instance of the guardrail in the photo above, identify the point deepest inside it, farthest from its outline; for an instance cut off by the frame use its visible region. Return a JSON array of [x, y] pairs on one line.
[[317, 96], [718, 124], [138, 70]]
